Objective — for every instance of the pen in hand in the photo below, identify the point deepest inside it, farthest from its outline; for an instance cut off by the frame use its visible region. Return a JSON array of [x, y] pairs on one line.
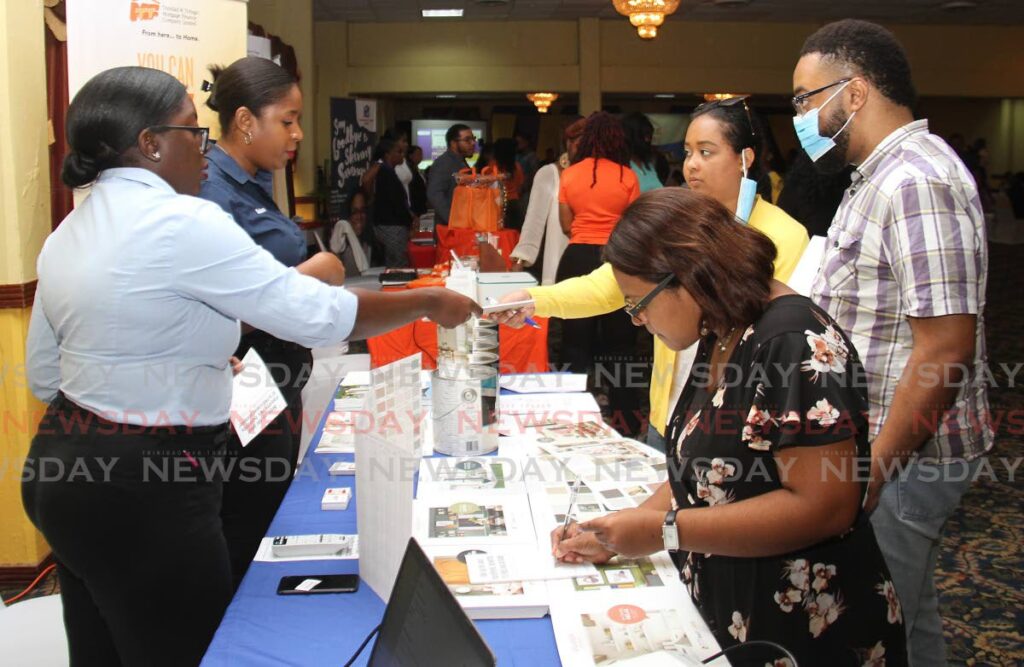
[[572, 501]]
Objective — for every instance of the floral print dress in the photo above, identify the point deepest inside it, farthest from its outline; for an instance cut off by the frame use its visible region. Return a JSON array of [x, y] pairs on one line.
[[793, 380]]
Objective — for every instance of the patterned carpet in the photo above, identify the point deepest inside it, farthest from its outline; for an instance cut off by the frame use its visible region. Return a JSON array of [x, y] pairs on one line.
[[981, 568]]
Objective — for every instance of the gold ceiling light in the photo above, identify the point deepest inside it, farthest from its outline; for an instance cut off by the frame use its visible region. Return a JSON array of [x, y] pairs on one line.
[[542, 100], [646, 15], [718, 97]]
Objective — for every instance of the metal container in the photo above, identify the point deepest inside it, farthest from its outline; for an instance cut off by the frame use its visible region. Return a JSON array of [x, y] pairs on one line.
[[464, 409]]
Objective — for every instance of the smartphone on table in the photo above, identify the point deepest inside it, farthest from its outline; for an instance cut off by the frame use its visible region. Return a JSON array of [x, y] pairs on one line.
[[315, 584]]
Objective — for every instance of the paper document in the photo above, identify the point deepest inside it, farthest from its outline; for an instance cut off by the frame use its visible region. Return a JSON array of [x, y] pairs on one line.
[[544, 383], [493, 568], [255, 399], [806, 269]]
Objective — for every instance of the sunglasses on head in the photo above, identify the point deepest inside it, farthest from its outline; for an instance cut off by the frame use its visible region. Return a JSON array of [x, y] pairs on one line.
[[726, 103]]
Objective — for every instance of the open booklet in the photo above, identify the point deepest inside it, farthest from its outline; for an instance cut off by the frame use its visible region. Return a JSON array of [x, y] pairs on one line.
[[505, 599]]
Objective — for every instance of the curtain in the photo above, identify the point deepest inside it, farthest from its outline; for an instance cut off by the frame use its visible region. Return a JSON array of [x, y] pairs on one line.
[[57, 106]]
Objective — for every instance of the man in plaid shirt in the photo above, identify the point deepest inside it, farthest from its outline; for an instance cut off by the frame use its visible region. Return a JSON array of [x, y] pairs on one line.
[[904, 275]]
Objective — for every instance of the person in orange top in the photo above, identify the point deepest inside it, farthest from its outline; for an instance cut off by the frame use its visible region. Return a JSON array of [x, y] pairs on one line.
[[592, 195]]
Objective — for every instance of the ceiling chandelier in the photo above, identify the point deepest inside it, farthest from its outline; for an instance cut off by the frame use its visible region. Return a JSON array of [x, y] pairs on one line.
[[542, 100], [718, 97], [646, 15]]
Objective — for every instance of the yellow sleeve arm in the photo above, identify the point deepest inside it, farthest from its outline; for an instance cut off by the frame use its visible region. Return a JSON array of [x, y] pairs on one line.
[[596, 293]]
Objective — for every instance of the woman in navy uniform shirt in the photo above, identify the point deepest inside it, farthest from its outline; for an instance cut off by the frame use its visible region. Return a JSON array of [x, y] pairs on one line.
[[259, 107], [129, 344]]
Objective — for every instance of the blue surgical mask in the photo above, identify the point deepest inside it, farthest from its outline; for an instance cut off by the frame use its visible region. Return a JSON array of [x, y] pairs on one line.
[[748, 193], [806, 127]]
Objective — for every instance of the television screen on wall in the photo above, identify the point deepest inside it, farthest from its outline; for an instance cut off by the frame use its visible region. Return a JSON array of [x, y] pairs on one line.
[[429, 135]]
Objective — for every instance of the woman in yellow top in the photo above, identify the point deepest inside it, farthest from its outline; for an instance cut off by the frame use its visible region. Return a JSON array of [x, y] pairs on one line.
[[723, 149]]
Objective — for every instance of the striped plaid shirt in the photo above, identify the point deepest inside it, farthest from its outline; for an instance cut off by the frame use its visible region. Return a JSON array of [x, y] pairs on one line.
[[909, 240]]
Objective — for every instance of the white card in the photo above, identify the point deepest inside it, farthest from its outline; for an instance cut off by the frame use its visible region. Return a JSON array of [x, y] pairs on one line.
[[307, 585], [255, 399]]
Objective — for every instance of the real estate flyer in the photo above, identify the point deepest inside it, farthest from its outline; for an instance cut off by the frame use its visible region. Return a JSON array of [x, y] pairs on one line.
[[472, 517]]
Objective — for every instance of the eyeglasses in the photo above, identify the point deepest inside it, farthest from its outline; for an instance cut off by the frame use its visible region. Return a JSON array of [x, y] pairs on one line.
[[800, 101], [727, 102], [203, 132], [469, 139], [634, 310]]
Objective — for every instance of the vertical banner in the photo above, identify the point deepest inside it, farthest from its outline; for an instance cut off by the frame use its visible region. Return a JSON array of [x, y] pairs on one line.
[[353, 136], [180, 37]]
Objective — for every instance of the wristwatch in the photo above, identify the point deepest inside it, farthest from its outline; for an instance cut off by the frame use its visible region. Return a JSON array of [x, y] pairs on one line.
[[669, 533]]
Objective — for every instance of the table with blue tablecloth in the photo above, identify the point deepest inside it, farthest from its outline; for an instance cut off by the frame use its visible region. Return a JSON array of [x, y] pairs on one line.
[[264, 628]]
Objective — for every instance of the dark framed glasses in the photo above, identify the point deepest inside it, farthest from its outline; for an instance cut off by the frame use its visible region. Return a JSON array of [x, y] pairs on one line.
[[727, 102], [800, 101], [203, 132], [634, 309]]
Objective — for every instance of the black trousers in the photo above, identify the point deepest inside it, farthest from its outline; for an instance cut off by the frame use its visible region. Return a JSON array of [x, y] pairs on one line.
[[604, 347], [132, 516], [261, 472]]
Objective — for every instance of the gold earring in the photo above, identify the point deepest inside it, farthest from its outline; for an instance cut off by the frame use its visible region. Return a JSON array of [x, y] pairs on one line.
[[247, 138]]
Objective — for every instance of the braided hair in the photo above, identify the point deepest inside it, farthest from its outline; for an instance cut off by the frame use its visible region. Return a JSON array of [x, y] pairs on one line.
[[603, 138]]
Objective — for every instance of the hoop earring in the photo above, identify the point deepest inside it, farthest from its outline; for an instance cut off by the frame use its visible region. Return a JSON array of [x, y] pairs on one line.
[[247, 138]]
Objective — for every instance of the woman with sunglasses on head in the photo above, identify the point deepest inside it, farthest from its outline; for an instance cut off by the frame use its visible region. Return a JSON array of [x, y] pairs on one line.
[[259, 107], [723, 161], [762, 511], [129, 343]]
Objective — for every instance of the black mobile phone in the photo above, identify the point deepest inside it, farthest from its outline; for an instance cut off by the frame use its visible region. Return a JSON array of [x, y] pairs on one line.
[[313, 584]]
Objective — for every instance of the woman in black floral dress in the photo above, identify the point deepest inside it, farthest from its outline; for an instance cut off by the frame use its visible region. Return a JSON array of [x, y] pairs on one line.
[[769, 445]]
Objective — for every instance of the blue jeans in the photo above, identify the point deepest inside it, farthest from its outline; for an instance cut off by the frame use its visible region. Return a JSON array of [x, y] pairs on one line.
[[655, 439], [911, 514]]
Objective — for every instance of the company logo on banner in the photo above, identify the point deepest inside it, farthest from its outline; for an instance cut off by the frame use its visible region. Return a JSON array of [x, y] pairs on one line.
[[180, 37], [366, 114], [144, 11]]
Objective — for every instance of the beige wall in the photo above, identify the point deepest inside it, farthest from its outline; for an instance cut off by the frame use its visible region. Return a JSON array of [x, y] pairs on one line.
[[24, 135], [591, 57], [24, 224]]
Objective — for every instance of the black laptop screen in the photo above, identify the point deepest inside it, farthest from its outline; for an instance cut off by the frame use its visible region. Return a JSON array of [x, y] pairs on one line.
[[424, 624]]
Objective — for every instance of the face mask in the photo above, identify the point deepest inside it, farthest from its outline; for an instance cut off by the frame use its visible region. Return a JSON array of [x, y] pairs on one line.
[[806, 127], [748, 193]]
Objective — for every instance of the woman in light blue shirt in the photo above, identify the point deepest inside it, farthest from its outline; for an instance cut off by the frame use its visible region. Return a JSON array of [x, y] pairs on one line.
[[141, 290]]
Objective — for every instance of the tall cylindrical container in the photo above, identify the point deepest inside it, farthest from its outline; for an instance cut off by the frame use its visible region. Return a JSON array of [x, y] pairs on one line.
[[464, 409]]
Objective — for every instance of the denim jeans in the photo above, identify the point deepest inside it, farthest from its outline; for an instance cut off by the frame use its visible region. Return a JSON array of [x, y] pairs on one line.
[[655, 439], [908, 522]]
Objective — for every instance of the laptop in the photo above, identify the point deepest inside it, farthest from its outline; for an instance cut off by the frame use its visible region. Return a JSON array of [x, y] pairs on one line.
[[424, 624]]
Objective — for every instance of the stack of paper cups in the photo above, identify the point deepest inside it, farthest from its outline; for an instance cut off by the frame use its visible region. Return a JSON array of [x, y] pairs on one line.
[[455, 342]]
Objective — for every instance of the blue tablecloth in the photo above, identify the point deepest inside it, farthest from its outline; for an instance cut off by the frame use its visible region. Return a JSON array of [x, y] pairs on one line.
[[264, 628]]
